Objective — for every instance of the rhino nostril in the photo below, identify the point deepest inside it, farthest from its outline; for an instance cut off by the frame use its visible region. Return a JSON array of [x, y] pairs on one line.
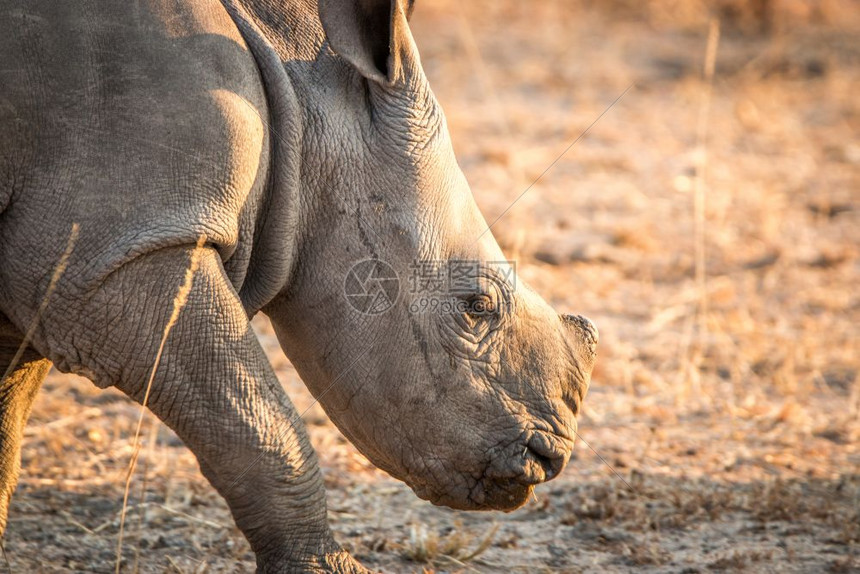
[[551, 465]]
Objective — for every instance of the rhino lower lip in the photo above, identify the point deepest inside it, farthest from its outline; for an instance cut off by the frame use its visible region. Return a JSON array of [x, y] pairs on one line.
[[506, 495], [496, 493]]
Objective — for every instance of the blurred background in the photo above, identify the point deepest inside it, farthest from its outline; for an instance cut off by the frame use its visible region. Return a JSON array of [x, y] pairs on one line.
[[709, 223]]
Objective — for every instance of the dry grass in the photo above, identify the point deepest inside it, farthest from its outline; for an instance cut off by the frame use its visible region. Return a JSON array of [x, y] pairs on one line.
[[665, 504], [740, 445], [455, 545]]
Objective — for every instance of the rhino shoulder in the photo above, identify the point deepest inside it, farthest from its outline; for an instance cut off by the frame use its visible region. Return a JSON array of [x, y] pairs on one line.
[[144, 123]]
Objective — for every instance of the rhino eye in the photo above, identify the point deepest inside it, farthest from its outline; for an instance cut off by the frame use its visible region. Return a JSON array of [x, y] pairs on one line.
[[479, 306]]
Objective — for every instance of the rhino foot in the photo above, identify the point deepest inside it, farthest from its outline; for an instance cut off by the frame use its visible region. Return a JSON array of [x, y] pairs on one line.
[[335, 563]]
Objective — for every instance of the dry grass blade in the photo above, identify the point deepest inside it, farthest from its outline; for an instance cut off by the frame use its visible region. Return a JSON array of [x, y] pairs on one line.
[[191, 518], [59, 269], [696, 325], [482, 547], [55, 278], [153, 438], [174, 565], [431, 547], [178, 303], [701, 164]]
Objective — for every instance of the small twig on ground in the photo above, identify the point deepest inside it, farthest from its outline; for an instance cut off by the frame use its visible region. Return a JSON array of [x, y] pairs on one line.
[[74, 522], [193, 518], [175, 566], [140, 507]]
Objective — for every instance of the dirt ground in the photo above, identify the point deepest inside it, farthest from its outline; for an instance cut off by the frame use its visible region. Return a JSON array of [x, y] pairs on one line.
[[715, 240]]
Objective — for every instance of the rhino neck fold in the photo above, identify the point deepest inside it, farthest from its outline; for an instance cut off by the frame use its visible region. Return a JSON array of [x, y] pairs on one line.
[[280, 36]]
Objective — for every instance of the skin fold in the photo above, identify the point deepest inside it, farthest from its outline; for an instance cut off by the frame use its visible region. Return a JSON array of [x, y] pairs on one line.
[[300, 138]]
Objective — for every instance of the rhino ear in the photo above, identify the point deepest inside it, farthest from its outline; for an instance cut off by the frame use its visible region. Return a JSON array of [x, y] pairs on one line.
[[372, 35]]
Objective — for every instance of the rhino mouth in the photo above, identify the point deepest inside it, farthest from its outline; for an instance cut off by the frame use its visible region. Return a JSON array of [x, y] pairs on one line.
[[507, 482]]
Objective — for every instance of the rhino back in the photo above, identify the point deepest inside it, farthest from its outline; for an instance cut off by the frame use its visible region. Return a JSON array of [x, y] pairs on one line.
[[142, 122]]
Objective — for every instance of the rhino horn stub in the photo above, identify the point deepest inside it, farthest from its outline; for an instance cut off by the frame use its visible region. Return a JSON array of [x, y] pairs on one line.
[[584, 328]]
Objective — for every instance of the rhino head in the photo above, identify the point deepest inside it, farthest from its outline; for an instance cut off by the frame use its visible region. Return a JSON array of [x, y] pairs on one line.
[[467, 393]]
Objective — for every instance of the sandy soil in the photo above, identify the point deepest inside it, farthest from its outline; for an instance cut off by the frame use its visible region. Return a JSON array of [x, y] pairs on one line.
[[721, 431]]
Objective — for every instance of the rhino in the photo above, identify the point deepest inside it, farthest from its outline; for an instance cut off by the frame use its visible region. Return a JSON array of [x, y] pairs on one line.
[[282, 155]]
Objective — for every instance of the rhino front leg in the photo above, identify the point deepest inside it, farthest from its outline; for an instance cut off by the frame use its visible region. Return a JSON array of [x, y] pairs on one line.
[[215, 388]]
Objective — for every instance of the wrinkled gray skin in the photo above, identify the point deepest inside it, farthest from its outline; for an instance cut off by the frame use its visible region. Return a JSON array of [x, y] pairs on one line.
[[299, 139]]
